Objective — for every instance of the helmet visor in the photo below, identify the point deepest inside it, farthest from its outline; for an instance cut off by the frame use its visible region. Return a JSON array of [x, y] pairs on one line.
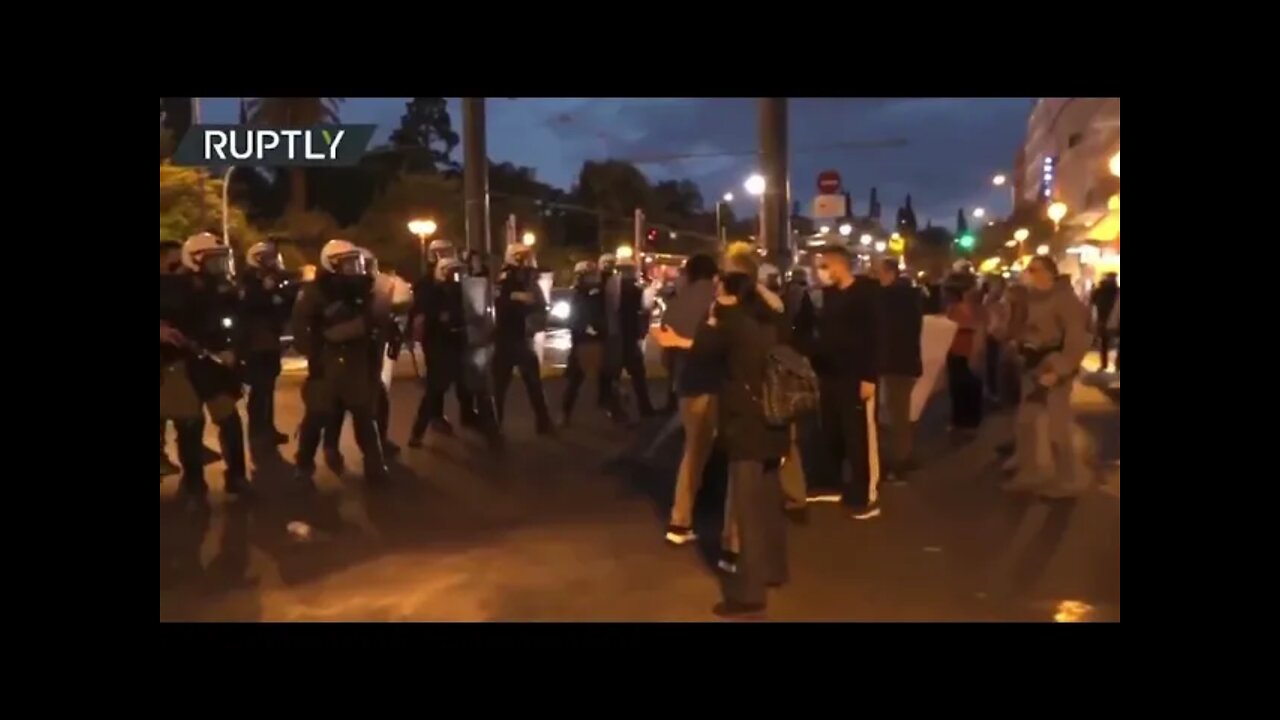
[[216, 261], [349, 264]]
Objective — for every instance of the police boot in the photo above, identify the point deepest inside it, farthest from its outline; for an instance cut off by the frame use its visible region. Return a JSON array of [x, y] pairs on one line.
[[191, 455], [231, 438], [308, 443], [375, 463]]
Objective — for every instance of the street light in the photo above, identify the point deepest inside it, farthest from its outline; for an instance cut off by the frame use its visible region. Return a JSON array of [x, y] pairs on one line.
[[1042, 250], [846, 229], [755, 184], [528, 239], [865, 239], [1021, 234], [728, 197], [624, 252], [979, 213], [1011, 243], [1115, 164], [999, 180], [1057, 211], [880, 246], [423, 229], [824, 229]]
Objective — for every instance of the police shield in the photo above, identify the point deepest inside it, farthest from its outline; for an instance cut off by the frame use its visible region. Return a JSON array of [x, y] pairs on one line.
[[477, 315]]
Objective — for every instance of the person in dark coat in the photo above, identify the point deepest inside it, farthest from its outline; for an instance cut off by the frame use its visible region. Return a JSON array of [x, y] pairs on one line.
[[266, 300], [901, 322], [335, 327], [1104, 299], [739, 332], [521, 313], [442, 331], [588, 328]]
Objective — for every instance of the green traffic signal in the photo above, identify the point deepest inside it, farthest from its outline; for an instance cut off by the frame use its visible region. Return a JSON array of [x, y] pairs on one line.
[[965, 242]]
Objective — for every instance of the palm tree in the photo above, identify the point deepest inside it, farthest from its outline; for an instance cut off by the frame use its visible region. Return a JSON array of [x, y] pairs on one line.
[[294, 112]]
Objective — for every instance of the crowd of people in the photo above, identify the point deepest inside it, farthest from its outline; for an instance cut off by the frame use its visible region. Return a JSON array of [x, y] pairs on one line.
[[733, 332]]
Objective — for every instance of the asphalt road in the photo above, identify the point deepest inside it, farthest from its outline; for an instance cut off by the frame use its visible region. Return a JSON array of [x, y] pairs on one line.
[[564, 529]]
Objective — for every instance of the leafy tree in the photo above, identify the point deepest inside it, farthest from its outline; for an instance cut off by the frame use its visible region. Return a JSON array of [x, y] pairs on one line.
[[180, 207], [931, 250], [427, 127], [384, 226], [293, 113]]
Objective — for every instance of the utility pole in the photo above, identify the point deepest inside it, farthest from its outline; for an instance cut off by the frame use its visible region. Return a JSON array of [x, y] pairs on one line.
[[774, 217], [475, 176]]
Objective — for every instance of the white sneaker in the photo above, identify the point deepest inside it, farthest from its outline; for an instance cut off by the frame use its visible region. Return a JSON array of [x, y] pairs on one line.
[[677, 535]]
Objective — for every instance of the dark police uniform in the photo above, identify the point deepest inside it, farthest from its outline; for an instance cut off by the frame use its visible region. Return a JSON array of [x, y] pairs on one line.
[[206, 310], [633, 325], [444, 345], [266, 297], [334, 326], [588, 328], [516, 325]]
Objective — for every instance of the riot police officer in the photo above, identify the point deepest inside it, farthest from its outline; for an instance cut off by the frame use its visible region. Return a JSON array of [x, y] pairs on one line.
[[335, 327], [438, 251], [442, 331], [521, 310], [632, 327], [266, 298], [200, 333], [588, 326], [387, 339]]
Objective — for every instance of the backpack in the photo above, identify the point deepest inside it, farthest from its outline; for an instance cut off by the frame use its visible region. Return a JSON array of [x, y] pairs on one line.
[[790, 387]]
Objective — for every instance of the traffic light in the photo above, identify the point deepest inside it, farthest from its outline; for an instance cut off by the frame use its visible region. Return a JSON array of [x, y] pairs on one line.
[[965, 242]]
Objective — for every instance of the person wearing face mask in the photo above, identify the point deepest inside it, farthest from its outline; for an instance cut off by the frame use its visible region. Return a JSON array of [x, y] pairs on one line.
[[1052, 342], [588, 325], [266, 300], [200, 335], [335, 327], [741, 329], [443, 334], [845, 355]]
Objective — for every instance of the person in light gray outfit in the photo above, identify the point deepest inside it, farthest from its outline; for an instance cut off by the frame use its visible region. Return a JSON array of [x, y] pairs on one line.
[[1052, 342]]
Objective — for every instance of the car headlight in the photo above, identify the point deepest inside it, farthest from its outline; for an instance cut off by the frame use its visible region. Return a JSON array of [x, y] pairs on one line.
[[560, 310]]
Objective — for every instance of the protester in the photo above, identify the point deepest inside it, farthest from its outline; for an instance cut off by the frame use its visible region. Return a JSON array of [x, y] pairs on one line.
[[1052, 343], [901, 323], [1104, 300], [1113, 328], [739, 332], [996, 321], [697, 381], [963, 382], [847, 361]]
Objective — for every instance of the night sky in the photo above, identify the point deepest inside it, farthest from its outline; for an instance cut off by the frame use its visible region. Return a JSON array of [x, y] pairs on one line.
[[955, 145]]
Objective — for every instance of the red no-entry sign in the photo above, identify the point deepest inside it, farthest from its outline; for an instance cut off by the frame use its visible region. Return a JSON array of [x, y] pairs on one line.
[[829, 182]]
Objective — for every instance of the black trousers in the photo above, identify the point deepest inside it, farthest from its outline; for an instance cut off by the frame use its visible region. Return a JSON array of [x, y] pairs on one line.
[[366, 430], [508, 357], [966, 393], [191, 446], [632, 361], [444, 370], [755, 502], [1104, 347], [260, 373], [382, 416], [586, 358], [849, 433], [994, 365]]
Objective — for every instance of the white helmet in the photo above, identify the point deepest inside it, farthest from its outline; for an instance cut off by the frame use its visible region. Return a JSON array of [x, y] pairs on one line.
[[204, 252], [263, 254], [342, 257], [440, 248], [607, 259], [370, 261], [582, 267], [514, 253]]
